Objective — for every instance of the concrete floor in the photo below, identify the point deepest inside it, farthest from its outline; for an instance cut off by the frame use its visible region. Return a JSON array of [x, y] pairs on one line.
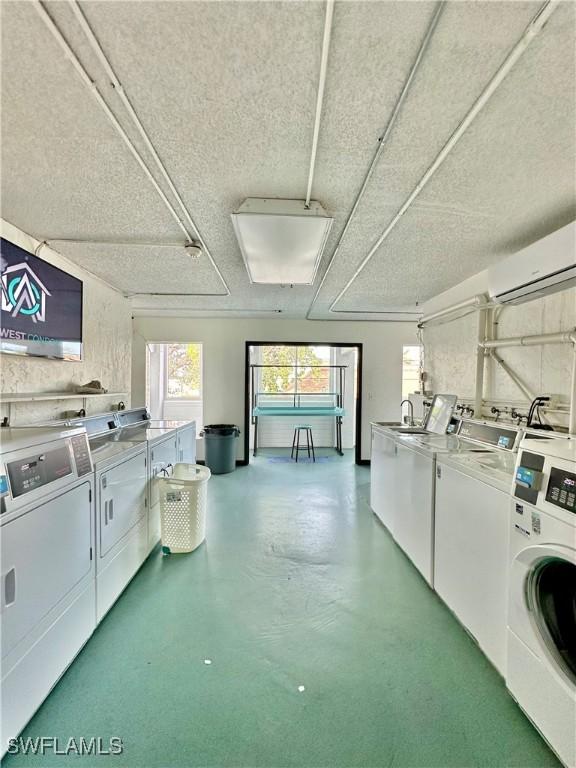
[[298, 587]]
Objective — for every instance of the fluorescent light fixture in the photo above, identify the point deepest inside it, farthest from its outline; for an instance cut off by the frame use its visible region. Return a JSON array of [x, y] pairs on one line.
[[281, 240]]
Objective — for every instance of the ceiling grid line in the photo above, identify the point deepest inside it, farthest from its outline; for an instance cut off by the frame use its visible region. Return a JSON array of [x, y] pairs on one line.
[[87, 80], [530, 33], [117, 85], [382, 140]]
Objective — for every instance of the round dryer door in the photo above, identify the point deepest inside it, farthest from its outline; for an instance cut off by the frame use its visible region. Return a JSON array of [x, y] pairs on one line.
[[551, 597]]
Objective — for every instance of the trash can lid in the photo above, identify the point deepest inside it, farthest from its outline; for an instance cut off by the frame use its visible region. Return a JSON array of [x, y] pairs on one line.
[[224, 430]]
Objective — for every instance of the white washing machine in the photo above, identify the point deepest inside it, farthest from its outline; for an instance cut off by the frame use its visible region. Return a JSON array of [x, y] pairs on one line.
[[47, 572], [471, 538], [408, 488], [541, 655]]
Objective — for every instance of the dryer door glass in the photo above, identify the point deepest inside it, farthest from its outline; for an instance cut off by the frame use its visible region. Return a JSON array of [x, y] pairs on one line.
[[553, 591]]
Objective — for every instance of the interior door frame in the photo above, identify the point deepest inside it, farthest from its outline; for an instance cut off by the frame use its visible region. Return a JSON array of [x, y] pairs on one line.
[[339, 345]]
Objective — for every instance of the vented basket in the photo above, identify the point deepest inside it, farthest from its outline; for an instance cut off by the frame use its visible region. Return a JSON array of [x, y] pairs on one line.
[[183, 507]]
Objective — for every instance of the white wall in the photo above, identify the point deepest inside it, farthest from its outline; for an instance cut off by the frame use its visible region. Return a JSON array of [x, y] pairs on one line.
[[224, 349], [449, 348], [107, 337]]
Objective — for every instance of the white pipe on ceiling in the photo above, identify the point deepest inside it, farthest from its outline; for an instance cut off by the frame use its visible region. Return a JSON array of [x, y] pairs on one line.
[[118, 87], [474, 302], [86, 79], [509, 62], [90, 241], [320, 95], [382, 140]]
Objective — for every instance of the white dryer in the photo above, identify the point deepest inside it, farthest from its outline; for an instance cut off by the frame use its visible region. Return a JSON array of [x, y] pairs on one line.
[[541, 655], [160, 444], [120, 479], [162, 449], [185, 430], [121, 486], [48, 574]]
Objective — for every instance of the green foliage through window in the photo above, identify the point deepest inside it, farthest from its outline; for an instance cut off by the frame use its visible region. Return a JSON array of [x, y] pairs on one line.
[[184, 371], [295, 369]]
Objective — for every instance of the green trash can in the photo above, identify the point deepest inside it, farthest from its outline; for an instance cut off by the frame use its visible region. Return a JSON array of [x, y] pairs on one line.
[[220, 447]]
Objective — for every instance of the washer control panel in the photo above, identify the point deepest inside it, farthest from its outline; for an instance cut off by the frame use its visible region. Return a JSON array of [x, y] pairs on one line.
[[82, 457], [36, 470], [561, 489]]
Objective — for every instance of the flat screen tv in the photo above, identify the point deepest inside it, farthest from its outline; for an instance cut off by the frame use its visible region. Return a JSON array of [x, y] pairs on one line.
[[41, 307]]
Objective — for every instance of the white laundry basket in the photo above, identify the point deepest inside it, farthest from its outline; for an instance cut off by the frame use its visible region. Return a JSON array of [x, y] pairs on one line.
[[183, 507]]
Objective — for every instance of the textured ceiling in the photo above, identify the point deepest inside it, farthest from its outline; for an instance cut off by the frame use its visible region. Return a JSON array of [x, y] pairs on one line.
[[226, 92]]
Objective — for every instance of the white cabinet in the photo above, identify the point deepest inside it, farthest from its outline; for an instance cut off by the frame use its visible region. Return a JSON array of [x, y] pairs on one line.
[[383, 478], [414, 508], [471, 557], [186, 447]]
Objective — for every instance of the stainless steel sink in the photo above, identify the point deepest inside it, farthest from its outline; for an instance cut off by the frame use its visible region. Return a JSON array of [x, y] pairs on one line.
[[397, 426], [409, 430]]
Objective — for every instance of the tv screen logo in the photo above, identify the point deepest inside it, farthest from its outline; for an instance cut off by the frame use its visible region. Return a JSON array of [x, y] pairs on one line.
[[23, 293]]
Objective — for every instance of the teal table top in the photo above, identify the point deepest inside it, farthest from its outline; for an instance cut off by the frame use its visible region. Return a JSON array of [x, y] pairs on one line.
[[303, 411]]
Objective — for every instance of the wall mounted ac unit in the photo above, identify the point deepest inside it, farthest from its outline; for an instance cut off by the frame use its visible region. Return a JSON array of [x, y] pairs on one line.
[[546, 266]]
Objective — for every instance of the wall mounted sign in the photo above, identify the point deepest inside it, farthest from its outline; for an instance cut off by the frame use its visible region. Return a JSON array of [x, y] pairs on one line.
[[41, 307]]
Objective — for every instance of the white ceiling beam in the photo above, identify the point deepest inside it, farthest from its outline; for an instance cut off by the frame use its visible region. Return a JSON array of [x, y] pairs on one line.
[[320, 95]]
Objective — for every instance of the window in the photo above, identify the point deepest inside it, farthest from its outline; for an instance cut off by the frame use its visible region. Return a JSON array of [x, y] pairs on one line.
[[411, 361], [295, 369], [183, 372]]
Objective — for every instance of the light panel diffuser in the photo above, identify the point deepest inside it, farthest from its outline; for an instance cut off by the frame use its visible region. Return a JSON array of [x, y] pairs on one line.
[[281, 241]]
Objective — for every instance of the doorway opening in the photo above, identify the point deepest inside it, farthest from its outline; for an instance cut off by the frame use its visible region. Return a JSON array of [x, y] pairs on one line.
[[290, 384], [174, 387]]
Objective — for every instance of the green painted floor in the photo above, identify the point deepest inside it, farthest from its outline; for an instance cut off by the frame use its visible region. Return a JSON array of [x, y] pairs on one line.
[[297, 585]]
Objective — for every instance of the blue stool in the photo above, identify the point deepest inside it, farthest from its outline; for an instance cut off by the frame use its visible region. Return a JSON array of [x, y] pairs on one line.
[[296, 441]]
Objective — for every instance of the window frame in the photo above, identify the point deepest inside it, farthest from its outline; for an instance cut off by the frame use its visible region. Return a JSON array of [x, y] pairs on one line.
[[295, 366], [402, 369], [165, 396]]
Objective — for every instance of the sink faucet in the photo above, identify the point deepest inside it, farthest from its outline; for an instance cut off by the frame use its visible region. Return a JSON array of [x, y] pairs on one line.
[[411, 404]]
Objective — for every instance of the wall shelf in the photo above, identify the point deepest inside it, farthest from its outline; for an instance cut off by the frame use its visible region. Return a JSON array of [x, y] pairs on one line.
[[13, 398], [30, 397]]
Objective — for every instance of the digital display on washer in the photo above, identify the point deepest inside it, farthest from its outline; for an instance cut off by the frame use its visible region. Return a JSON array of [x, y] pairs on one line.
[[562, 489], [33, 472]]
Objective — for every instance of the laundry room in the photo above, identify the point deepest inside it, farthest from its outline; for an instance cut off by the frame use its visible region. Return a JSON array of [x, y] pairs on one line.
[[288, 383]]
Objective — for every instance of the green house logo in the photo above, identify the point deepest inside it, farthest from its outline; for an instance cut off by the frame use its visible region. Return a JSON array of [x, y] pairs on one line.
[[23, 293]]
